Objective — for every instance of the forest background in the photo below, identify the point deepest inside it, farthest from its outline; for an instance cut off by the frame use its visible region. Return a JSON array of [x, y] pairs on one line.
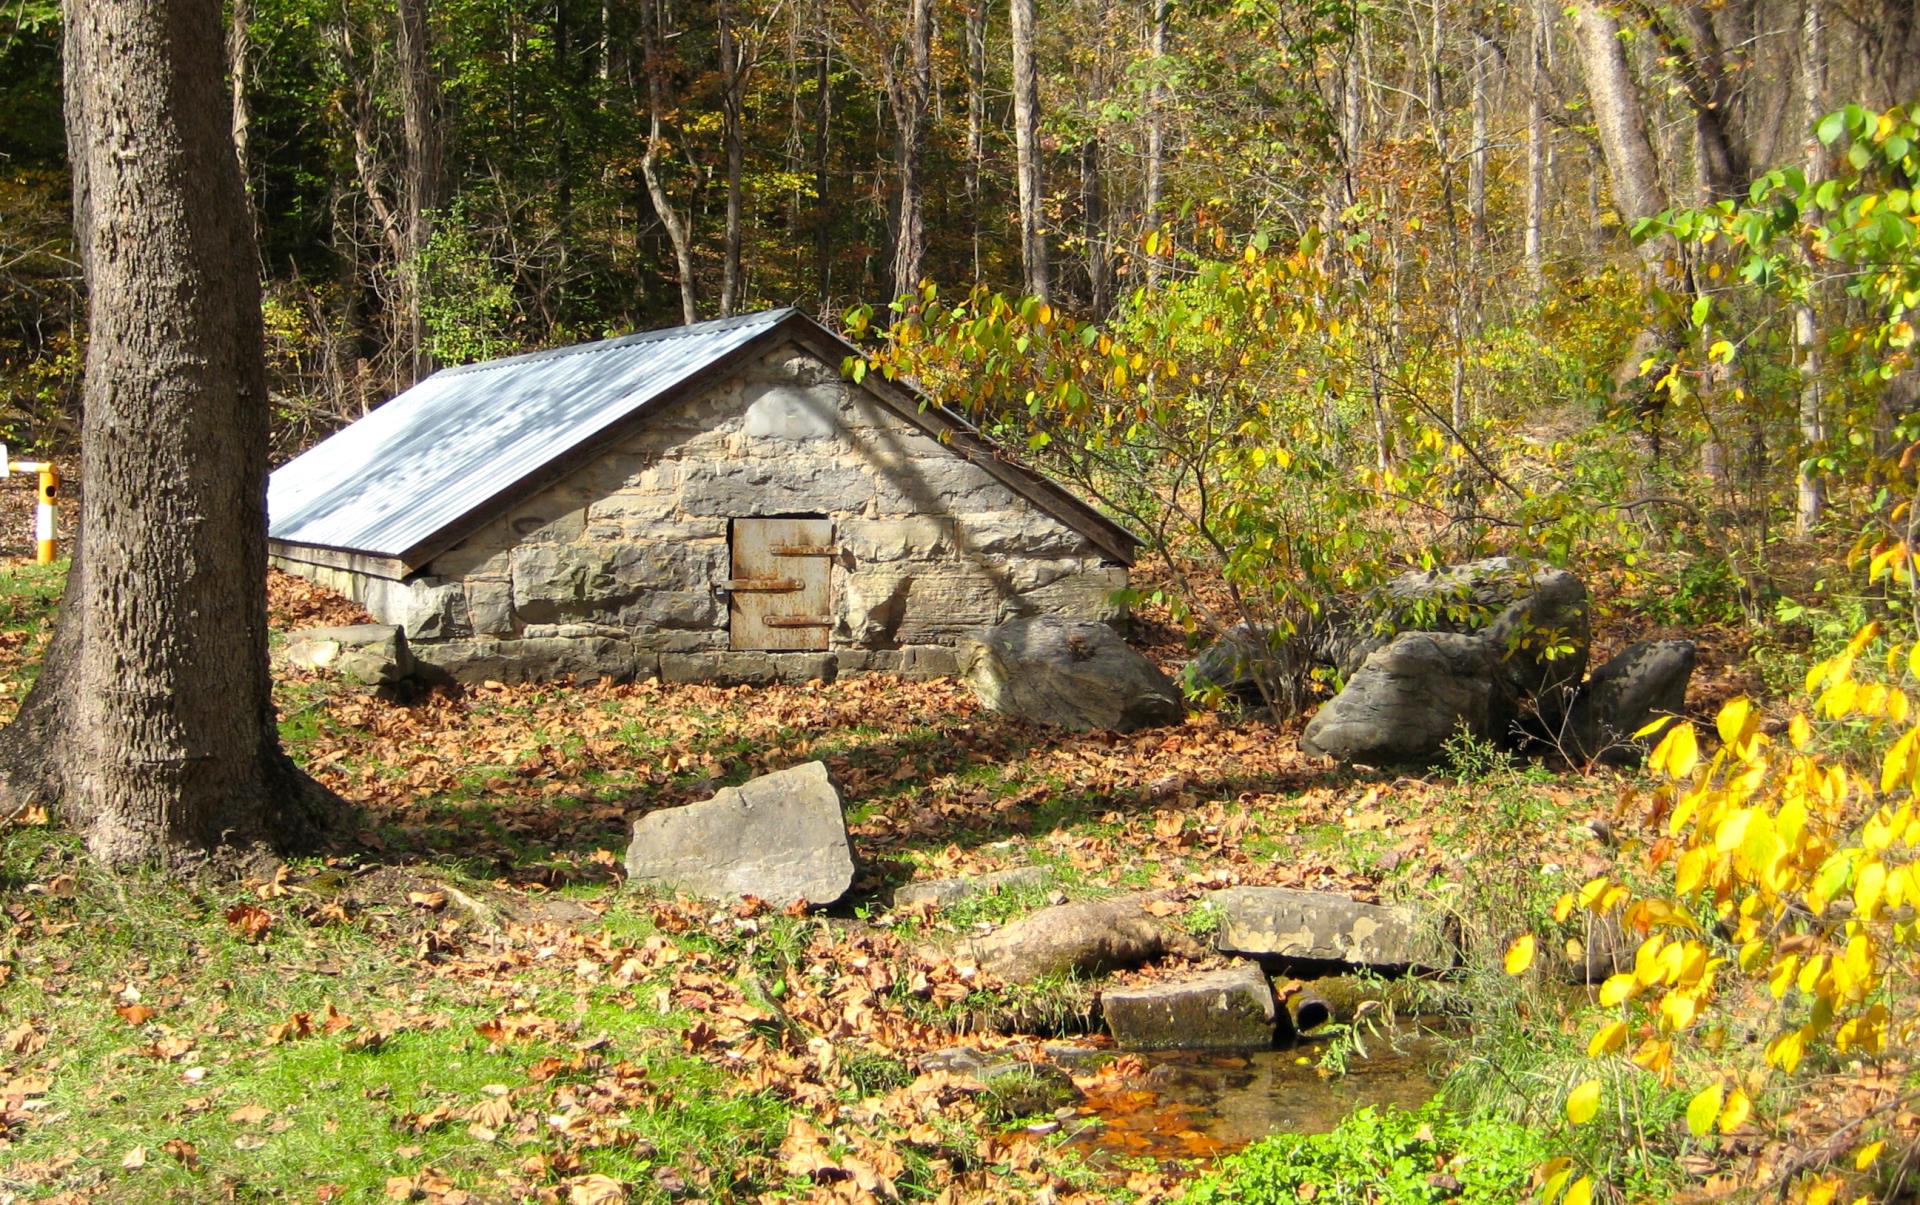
[[1435, 198]]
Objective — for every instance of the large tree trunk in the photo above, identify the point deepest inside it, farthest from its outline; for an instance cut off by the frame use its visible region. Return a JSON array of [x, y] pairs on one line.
[[1026, 141], [1624, 140], [151, 728]]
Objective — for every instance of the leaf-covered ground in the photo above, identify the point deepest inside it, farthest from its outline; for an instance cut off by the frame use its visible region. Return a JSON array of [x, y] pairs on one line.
[[466, 1005]]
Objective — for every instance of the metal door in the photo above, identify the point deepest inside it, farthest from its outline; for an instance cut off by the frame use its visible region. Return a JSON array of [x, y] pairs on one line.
[[781, 594]]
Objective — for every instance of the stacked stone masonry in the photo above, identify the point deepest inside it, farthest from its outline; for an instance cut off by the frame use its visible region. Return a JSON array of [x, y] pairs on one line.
[[613, 571]]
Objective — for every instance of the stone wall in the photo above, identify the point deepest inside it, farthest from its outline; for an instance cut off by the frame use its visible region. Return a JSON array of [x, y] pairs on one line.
[[612, 570]]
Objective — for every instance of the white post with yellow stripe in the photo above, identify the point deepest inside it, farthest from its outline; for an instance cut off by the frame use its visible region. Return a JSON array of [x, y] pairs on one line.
[[44, 535]]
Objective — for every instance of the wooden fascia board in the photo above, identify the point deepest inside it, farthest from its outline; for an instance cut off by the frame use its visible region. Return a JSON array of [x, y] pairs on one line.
[[339, 558]]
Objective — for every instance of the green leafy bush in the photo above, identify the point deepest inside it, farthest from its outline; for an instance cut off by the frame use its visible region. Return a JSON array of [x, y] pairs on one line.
[[1381, 1157]]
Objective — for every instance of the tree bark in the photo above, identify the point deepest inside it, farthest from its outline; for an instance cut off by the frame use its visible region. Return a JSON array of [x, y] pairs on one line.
[[151, 728], [1026, 141]]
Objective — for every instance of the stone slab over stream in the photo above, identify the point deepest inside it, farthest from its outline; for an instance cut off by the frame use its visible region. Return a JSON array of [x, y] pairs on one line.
[[1281, 925], [1227, 1009]]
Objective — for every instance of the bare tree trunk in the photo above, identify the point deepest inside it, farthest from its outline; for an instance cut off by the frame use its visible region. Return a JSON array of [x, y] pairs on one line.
[[1539, 32], [1477, 156], [678, 233], [1156, 132], [1026, 141], [1811, 492], [1624, 140], [151, 727], [822, 161], [239, 60], [976, 118], [422, 182], [910, 119], [732, 102]]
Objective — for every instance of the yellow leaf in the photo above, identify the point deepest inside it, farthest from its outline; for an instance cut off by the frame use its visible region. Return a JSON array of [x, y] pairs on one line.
[[1733, 718], [1563, 907], [1583, 1102], [1869, 883], [1738, 1109], [1824, 1192], [1703, 1109], [1581, 1193], [1799, 731], [1609, 1039], [1677, 754], [1785, 1050], [1617, 989], [1868, 1153], [1520, 954]]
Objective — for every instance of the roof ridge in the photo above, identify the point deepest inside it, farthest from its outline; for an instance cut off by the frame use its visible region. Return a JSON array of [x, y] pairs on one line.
[[658, 335]]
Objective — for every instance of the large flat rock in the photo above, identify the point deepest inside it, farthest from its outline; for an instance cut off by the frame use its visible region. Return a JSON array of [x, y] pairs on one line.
[[781, 837], [1282, 925], [1230, 1009]]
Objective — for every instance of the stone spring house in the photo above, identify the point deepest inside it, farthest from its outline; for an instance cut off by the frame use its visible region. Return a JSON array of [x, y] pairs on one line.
[[710, 503]]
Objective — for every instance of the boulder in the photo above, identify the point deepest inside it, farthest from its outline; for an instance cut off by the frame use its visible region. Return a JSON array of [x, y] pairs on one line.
[[1643, 682], [1231, 664], [1535, 616], [945, 893], [781, 837], [1280, 925], [1086, 938], [1076, 674], [1230, 1009], [372, 654], [1410, 697]]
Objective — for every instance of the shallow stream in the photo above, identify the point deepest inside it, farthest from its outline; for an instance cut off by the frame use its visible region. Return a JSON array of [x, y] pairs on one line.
[[1190, 1104]]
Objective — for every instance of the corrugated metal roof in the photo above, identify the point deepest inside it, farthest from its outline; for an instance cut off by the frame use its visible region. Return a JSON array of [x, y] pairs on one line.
[[393, 481]]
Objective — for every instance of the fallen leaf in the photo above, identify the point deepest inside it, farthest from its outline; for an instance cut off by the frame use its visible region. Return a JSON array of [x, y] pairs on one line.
[[250, 922], [134, 1159]]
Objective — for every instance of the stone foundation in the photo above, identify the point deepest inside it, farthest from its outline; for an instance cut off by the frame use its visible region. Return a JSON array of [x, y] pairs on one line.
[[612, 572]]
